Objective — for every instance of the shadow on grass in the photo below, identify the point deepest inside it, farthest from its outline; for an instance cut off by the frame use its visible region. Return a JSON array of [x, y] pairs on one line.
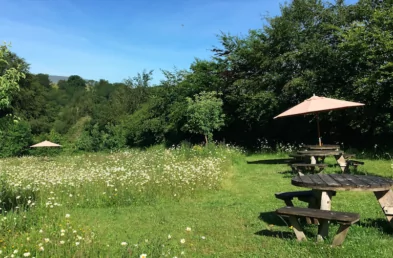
[[271, 161], [287, 173], [278, 234], [381, 224], [272, 218]]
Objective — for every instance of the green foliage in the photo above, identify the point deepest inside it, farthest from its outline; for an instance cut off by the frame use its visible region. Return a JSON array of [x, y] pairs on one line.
[[15, 138], [366, 48], [141, 129], [313, 47], [9, 78], [113, 138], [85, 142], [204, 114], [90, 139]]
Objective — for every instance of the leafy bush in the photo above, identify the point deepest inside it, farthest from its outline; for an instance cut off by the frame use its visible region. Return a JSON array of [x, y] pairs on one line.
[[15, 138], [113, 138]]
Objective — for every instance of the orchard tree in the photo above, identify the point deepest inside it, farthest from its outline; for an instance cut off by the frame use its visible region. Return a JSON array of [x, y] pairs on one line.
[[204, 114]]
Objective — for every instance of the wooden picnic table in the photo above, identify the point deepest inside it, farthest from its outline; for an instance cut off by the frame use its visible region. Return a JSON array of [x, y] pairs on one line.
[[320, 153], [315, 156], [323, 147], [324, 187]]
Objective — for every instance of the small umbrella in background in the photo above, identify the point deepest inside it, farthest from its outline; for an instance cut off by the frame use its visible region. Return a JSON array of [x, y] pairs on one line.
[[45, 144], [316, 104]]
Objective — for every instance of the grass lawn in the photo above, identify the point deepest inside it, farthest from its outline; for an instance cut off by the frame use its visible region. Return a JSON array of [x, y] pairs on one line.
[[233, 220]]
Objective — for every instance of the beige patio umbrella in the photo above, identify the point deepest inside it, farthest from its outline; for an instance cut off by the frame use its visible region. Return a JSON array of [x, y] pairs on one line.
[[316, 104], [45, 144]]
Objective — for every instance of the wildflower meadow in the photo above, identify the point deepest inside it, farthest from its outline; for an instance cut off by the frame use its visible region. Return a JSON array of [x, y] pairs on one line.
[[39, 198], [177, 202]]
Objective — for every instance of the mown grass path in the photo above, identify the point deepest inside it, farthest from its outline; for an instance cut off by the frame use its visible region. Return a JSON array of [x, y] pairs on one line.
[[236, 221]]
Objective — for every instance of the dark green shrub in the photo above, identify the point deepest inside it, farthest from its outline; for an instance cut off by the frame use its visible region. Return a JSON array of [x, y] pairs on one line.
[[15, 138]]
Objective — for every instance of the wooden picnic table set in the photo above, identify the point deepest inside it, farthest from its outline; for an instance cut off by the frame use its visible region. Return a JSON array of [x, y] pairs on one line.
[[323, 188], [313, 156]]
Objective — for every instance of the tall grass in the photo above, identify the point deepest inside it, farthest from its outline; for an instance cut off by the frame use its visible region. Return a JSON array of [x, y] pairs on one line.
[[38, 197]]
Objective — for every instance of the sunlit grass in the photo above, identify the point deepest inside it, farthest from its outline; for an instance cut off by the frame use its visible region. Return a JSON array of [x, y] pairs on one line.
[[179, 202]]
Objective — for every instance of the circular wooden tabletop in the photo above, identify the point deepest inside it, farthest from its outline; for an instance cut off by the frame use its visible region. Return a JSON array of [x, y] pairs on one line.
[[319, 152], [346, 182], [323, 147]]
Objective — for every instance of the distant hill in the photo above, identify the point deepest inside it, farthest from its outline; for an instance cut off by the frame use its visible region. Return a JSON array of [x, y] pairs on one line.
[[56, 79]]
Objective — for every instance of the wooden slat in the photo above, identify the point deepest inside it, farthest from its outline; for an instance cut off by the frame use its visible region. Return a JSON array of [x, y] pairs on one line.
[[355, 162], [321, 214], [291, 195], [347, 156], [342, 180], [306, 179], [317, 180], [336, 182], [372, 181], [329, 180], [358, 183], [308, 165], [323, 147], [319, 153], [381, 180]]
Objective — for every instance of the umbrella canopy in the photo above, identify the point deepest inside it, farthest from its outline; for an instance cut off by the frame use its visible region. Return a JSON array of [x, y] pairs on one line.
[[45, 144], [317, 104]]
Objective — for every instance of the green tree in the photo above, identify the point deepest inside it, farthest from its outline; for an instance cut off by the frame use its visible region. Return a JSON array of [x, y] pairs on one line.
[[204, 114], [9, 78]]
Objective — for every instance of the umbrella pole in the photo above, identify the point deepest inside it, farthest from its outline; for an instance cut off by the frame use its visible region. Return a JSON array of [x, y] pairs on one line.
[[319, 132]]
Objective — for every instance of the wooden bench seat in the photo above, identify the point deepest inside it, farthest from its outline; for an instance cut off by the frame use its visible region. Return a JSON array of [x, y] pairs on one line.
[[345, 219], [304, 196], [354, 163], [348, 156], [300, 167]]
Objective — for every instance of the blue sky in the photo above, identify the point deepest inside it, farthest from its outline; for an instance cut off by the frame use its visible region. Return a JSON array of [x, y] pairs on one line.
[[115, 39]]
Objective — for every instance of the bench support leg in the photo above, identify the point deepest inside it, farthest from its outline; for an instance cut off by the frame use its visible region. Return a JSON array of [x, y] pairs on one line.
[[341, 234], [385, 198], [297, 228], [342, 163], [323, 229], [288, 202]]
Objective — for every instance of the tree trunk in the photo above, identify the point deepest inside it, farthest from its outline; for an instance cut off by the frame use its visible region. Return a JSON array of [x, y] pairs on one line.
[[206, 141]]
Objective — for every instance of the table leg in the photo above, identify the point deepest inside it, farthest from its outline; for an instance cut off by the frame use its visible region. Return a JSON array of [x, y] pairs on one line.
[[325, 204], [341, 162], [385, 199], [313, 160]]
